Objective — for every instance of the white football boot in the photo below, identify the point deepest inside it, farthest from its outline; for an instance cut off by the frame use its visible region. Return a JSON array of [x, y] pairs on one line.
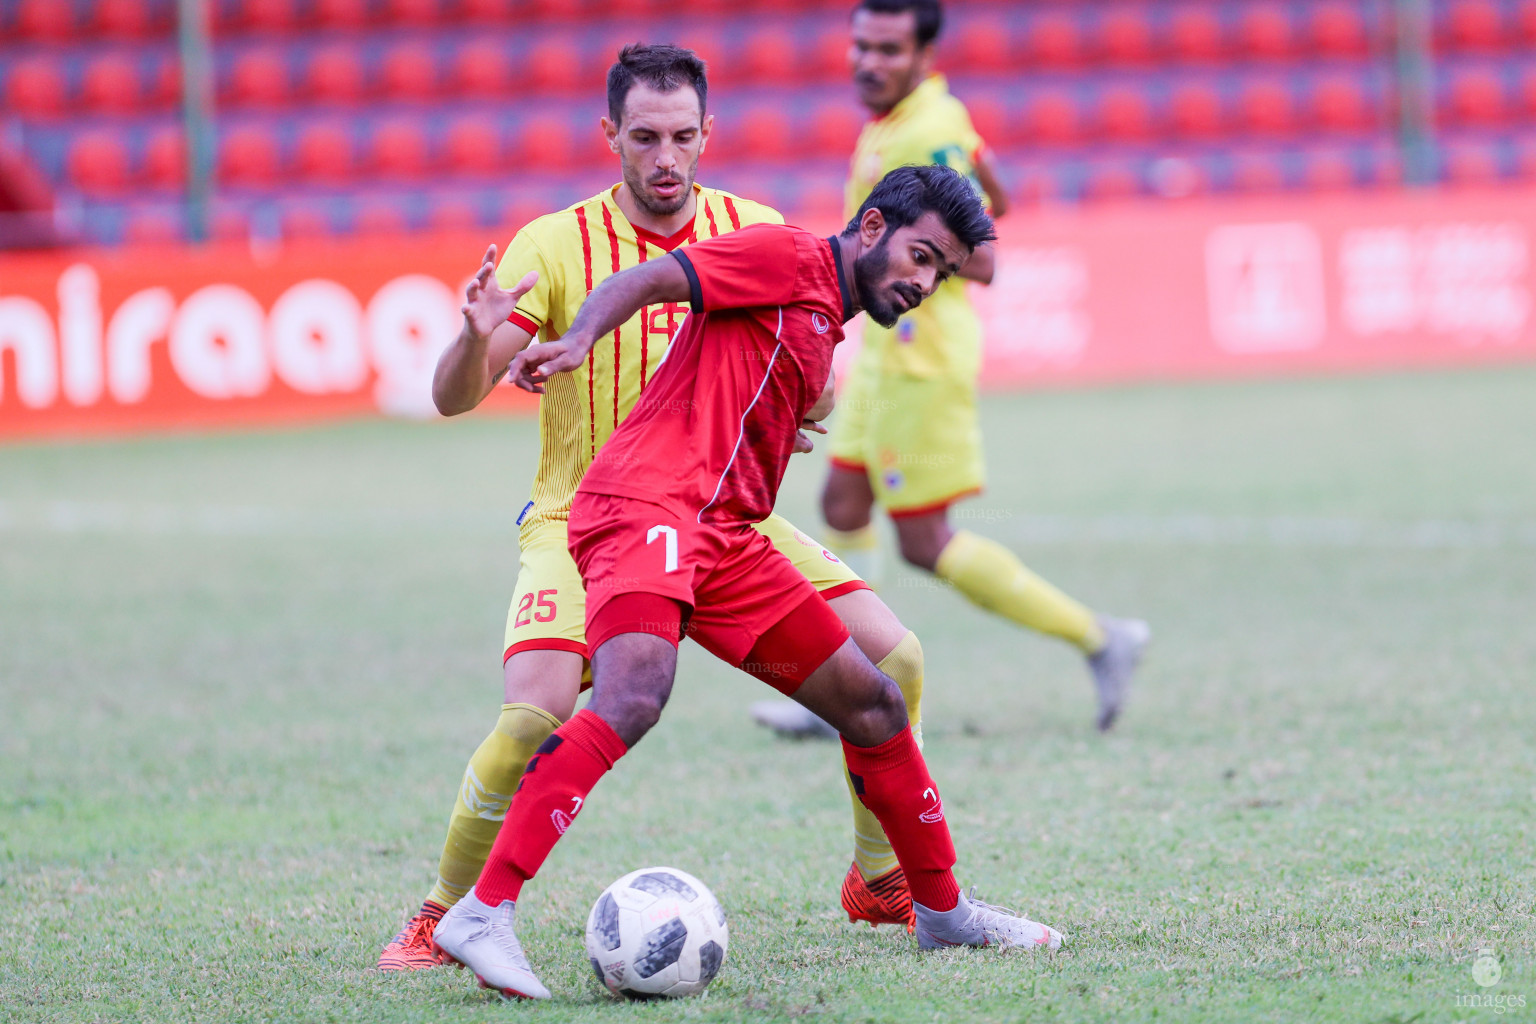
[[974, 923], [480, 937], [1114, 664]]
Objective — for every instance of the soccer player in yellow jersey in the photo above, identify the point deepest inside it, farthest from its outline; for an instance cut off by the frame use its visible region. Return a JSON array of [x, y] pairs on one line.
[[657, 126], [907, 437]]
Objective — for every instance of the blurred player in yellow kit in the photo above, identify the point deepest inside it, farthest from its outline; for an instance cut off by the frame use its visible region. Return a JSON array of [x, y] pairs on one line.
[[658, 127], [906, 437]]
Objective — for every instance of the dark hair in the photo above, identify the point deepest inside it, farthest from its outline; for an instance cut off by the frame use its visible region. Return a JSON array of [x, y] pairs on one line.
[[662, 66], [927, 13], [907, 193]]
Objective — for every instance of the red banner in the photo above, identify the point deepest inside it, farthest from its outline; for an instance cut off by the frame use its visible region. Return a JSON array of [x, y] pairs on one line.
[[132, 339]]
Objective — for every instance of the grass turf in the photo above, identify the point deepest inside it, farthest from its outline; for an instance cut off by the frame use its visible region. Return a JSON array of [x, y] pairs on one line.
[[240, 676]]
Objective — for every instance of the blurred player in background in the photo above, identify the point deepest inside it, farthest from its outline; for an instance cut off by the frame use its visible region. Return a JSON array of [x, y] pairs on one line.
[[658, 127], [662, 527], [907, 436]]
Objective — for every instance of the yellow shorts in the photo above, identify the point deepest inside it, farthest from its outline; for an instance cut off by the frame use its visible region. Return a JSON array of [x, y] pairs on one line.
[[917, 438], [549, 605]]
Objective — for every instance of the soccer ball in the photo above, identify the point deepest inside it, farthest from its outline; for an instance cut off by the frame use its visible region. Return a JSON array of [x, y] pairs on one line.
[[656, 932]]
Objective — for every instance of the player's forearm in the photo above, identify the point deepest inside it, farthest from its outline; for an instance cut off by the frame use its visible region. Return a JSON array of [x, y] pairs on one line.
[[981, 266], [462, 378], [624, 294]]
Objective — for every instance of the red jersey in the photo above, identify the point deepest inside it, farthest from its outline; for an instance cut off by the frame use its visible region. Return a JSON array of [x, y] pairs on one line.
[[712, 434]]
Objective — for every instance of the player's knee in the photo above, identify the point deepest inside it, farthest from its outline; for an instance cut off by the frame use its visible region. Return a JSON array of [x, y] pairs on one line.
[[879, 715], [842, 507], [919, 551]]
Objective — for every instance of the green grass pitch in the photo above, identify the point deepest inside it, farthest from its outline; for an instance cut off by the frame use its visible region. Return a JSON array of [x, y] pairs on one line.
[[240, 676]]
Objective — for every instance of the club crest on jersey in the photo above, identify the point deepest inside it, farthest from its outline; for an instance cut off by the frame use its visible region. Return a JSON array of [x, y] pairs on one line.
[[894, 479], [820, 323]]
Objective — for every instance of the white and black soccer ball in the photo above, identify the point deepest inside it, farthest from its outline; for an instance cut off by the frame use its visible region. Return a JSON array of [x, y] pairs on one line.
[[656, 932]]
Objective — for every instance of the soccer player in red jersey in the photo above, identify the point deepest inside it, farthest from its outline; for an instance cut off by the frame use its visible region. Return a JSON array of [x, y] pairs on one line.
[[661, 529]]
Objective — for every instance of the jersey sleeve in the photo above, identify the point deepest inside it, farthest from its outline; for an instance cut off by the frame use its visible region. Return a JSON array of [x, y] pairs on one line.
[[523, 255], [756, 266]]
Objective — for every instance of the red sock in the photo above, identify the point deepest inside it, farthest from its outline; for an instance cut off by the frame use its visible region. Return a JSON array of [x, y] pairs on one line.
[[893, 781], [555, 785]]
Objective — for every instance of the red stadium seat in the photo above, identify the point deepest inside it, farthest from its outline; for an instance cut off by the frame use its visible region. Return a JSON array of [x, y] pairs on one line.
[[1339, 104], [410, 72], [554, 65], [990, 118], [472, 145], [1053, 118], [259, 78], [51, 21], [1111, 181], [415, 13], [98, 163], [248, 157], [128, 19], [1265, 31], [325, 154], [453, 215], [834, 129], [1525, 22], [230, 224], [1052, 41], [1124, 114], [270, 15], [153, 225], [1125, 37], [35, 88], [1471, 164], [1527, 93], [982, 44], [769, 134], [1476, 97], [826, 58], [342, 13], [1327, 170], [544, 141], [481, 69], [1476, 25], [398, 150], [495, 12], [1266, 108], [336, 75], [1257, 172], [380, 219], [1195, 109], [1175, 177], [769, 57], [306, 223], [1195, 35], [1337, 29], [111, 85], [165, 159], [165, 81], [1525, 159]]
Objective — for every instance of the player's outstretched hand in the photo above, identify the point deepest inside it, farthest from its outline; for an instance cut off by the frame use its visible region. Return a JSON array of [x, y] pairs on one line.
[[537, 363], [488, 305]]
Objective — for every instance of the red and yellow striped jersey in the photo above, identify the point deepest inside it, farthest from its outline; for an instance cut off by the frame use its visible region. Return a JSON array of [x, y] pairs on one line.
[[574, 251]]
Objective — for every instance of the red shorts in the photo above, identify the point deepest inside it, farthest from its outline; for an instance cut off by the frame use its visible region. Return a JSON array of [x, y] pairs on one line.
[[733, 585]]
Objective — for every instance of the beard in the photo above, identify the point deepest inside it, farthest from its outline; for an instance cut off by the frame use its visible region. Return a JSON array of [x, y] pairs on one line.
[[661, 206], [868, 271]]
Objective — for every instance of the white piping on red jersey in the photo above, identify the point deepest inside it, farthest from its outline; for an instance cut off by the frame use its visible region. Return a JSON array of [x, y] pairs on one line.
[[742, 431]]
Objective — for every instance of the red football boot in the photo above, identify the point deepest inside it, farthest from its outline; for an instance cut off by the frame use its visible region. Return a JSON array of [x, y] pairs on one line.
[[883, 900]]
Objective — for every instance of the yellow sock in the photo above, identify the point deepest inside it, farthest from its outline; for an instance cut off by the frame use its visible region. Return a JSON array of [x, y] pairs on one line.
[[871, 850], [994, 578], [859, 549], [489, 781]]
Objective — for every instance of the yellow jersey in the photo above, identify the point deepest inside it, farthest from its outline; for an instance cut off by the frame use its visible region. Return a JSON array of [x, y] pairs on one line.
[[574, 251], [942, 337]]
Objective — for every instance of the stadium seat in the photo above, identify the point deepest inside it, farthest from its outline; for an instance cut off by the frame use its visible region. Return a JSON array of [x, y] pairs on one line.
[[1124, 115], [481, 69], [324, 154], [1257, 172], [1525, 159], [472, 145], [1339, 104], [1111, 180], [983, 44], [165, 81], [305, 222], [1526, 93], [410, 72], [1475, 26], [1337, 29], [769, 134], [111, 85], [248, 157], [342, 13], [1265, 32], [1265, 108], [543, 141], [1475, 97], [1195, 110], [336, 75], [835, 128], [270, 15], [380, 218], [398, 150], [165, 160], [35, 88], [768, 56], [153, 225], [258, 78], [1466, 163], [493, 12], [49, 21], [1124, 37], [521, 209], [1525, 22], [1195, 35], [230, 224], [413, 13], [1327, 170], [990, 118], [826, 58], [1175, 177], [1052, 41], [129, 19], [449, 214], [1053, 118], [553, 65], [98, 163]]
